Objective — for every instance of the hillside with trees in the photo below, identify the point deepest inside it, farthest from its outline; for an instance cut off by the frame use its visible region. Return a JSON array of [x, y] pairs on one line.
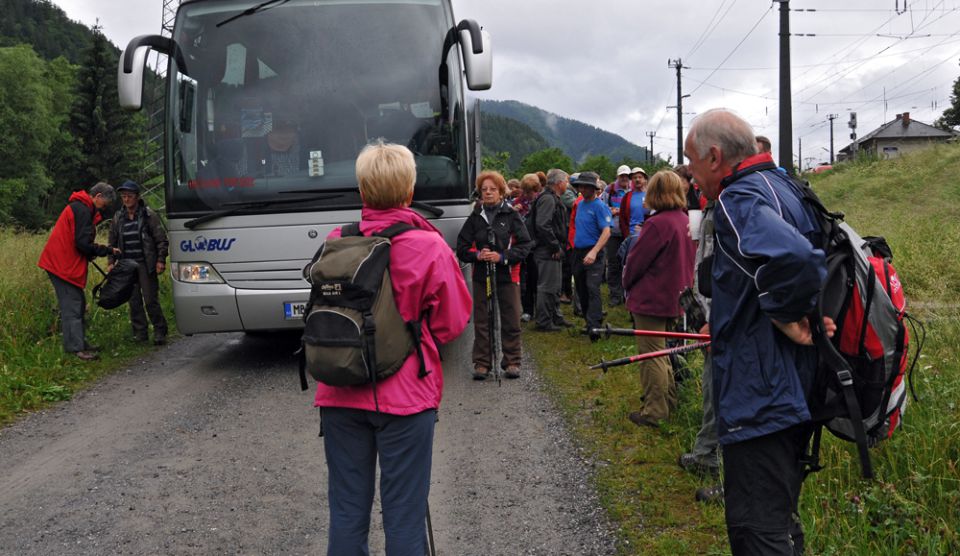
[[45, 27], [578, 140], [61, 128], [506, 135]]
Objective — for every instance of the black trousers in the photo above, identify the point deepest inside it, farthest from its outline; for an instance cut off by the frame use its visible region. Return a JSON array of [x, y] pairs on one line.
[[588, 279], [146, 293], [762, 479]]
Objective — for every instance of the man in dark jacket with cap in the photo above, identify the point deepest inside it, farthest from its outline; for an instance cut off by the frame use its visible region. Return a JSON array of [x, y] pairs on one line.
[[65, 257], [138, 233]]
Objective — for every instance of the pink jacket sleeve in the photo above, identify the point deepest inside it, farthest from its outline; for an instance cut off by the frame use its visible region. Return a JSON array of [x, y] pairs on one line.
[[432, 285]]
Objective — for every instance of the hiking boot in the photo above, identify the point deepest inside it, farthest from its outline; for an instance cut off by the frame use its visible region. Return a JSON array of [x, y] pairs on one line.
[[160, 341], [140, 339], [563, 322], [710, 495], [643, 420], [565, 300], [548, 328], [480, 373], [86, 356], [697, 465], [513, 371], [526, 317]]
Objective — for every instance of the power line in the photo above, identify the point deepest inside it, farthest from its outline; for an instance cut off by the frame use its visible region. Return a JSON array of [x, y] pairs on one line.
[[843, 73], [711, 26], [798, 66], [755, 25]]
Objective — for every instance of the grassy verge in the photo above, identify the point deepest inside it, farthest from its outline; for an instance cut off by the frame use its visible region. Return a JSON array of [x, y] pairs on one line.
[[914, 505], [34, 371]]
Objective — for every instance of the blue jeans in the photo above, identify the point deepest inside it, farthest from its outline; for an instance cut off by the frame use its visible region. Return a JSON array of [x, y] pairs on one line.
[[353, 440]]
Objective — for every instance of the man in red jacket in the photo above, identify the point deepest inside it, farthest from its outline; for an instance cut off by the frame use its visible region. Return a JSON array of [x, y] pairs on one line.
[[65, 258]]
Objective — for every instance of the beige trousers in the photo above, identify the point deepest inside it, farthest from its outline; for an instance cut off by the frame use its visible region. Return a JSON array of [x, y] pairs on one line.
[[656, 376]]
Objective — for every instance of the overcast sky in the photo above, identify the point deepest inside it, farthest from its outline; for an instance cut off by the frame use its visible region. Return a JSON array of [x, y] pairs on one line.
[[605, 62]]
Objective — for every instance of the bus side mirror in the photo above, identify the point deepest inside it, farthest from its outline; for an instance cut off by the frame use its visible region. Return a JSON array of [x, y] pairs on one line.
[[133, 61], [130, 83], [477, 58]]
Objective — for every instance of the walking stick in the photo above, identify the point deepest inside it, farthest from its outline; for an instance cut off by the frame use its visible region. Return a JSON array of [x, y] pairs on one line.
[[608, 331], [651, 355], [430, 543], [493, 310]]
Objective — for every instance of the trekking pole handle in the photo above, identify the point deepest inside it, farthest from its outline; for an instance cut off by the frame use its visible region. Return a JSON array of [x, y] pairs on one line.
[[609, 331]]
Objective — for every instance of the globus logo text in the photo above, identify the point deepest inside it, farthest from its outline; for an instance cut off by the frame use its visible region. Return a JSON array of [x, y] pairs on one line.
[[201, 243]]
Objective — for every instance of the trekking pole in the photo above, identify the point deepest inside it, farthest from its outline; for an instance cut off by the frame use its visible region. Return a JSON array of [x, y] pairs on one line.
[[430, 543], [493, 310], [651, 355], [609, 331]]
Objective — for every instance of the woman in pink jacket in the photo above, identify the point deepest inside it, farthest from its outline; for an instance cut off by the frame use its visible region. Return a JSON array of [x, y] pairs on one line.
[[428, 286]]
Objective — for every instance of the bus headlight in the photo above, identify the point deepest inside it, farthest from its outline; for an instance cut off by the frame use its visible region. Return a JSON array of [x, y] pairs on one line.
[[195, 273]]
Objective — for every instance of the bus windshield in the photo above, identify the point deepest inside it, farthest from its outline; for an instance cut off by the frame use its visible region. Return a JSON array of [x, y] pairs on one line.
[[282, 99]]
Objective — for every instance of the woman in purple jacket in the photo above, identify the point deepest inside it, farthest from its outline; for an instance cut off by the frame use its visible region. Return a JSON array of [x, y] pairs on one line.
[[658, 267]]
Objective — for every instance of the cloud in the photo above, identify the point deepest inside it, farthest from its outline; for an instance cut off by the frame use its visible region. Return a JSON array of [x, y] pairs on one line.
[[605, 62]]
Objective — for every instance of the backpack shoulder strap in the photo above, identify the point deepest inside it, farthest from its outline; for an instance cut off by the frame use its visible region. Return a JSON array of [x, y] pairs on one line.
[[394, 230], [351, 230]]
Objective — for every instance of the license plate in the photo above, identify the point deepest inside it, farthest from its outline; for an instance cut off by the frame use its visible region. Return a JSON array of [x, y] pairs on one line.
[[294, 309]]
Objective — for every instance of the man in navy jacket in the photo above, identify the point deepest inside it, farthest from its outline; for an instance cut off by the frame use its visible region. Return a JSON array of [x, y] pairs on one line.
[[766, 277]]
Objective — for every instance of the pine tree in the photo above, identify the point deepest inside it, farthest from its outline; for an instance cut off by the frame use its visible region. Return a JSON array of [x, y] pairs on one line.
[[951, 116], [110, 140]]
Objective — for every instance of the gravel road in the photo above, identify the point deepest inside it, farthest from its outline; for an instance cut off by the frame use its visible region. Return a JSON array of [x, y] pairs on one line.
[[209, 447]]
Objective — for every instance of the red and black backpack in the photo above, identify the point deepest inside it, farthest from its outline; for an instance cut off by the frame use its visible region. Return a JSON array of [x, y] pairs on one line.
[[859, 391]]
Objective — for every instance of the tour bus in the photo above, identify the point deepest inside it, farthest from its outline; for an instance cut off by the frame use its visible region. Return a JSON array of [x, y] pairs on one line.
[[267, 106]]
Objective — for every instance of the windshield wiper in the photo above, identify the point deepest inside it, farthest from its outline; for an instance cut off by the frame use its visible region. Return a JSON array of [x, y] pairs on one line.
[[237, 206], [261, 7], [437, 212]]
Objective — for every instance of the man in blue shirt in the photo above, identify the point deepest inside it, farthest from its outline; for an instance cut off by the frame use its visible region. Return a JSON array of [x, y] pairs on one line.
[[594, 221]]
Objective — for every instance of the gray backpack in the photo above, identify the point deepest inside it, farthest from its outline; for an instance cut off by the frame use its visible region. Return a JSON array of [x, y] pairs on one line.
[[353, 333]]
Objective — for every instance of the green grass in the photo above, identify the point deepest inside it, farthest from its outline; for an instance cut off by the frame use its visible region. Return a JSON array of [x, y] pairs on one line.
[[34, 371], [913, 507]]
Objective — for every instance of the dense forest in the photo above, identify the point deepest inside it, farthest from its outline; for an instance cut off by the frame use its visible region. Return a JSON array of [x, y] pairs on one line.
[[61, 128], [45, 27]]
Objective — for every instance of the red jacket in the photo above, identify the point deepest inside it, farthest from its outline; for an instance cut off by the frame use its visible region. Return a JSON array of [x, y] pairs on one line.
[[659, 265], [572, 228], [71, 244]]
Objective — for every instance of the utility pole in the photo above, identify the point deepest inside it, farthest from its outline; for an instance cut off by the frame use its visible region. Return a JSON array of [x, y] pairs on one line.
[[786, 106], [800, 153], [678, 65], [831, 117], [651, 135], [852, 124]]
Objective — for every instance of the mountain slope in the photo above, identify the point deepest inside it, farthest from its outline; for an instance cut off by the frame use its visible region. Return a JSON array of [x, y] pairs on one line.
[[501, 134], [45, 27], [577, 139]]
